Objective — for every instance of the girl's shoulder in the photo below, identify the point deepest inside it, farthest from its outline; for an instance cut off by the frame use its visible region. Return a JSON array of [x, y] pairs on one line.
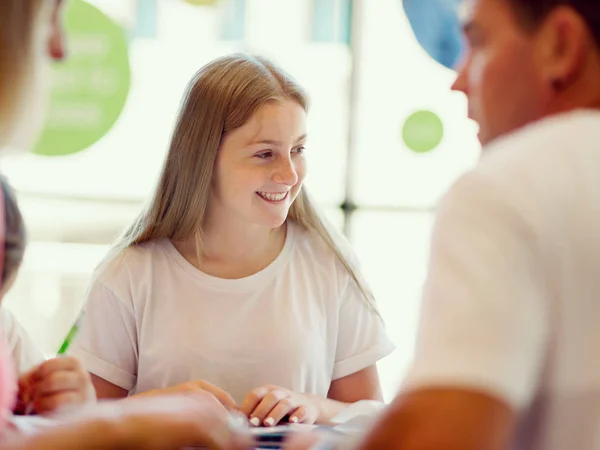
[[120, 266]]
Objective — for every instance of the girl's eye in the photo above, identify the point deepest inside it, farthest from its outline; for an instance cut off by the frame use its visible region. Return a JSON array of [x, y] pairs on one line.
[[299, 150], [264, 155]]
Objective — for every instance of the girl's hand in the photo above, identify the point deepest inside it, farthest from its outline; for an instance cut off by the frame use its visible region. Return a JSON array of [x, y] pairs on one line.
[[268, 405]]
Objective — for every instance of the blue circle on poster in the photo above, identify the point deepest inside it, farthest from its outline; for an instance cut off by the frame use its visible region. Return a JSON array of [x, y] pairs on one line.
[[437, 28]]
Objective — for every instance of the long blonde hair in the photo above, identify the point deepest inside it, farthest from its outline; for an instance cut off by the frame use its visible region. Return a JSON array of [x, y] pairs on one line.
[[19, 20], [221, 97]]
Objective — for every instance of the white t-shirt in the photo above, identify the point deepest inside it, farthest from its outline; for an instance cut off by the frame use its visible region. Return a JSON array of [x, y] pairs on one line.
[[24, 352], [512, 300], [153, 320]]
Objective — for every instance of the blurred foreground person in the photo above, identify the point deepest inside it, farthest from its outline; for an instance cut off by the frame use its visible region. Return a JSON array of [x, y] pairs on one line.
[[30, 37], [506, 356]]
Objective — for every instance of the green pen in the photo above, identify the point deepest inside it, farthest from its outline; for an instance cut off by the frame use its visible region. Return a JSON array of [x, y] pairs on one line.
[[70, 336]]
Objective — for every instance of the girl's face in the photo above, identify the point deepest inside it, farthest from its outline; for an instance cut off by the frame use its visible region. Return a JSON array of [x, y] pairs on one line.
[[260, 166]]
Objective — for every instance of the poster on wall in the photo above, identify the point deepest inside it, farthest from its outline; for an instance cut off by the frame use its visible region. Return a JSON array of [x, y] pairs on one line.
[[90, 87]]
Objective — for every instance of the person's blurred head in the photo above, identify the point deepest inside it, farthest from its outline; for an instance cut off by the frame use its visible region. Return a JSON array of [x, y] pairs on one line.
[[527, 59], [30, 37], [12, 249], [14, 237]]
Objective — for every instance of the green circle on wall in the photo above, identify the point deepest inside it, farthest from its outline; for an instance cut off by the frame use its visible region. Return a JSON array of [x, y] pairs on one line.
[[90, 87], [422, 131]]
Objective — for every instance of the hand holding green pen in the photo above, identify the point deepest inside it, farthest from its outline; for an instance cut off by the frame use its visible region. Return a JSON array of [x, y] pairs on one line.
[[55, 385]]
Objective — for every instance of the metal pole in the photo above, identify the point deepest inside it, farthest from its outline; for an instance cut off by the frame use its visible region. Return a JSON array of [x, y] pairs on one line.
[[349, 206]]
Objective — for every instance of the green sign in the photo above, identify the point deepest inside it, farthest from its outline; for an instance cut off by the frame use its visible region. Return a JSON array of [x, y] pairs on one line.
[[422, 131], [90, 87]]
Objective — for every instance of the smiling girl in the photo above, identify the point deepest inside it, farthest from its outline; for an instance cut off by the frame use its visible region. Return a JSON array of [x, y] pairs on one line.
[[230, 281]]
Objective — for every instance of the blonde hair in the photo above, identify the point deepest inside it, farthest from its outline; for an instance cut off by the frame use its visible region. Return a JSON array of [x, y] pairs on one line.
[[18, 28], [221, 97]]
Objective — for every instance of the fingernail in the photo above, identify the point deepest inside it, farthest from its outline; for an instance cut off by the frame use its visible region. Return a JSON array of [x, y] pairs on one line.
[[294, 419], [270, 422], [255, 421]]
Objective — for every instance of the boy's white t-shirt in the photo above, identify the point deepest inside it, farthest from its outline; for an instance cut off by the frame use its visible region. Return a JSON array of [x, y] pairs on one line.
[[512, 299], [153, 320], [25, 354]]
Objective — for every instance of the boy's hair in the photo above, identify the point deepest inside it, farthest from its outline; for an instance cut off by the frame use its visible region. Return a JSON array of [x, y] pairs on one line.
[[15, 238], [533, 12]]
